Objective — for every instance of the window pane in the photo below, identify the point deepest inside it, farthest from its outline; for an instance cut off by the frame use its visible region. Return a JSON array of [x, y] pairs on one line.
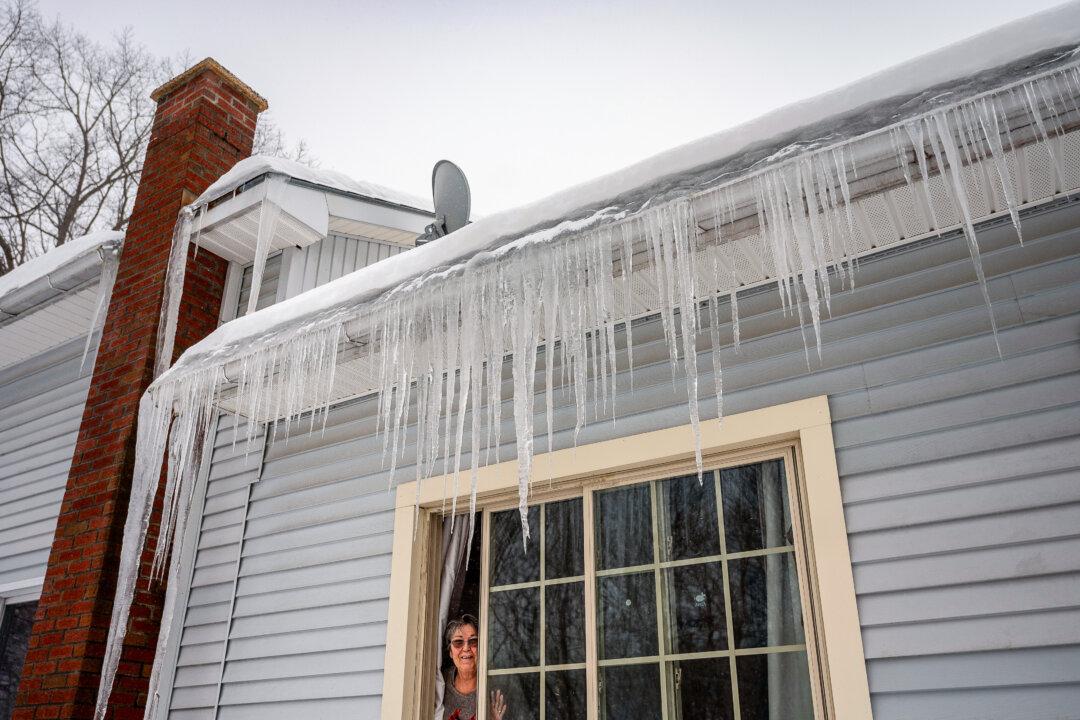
[[624, 527], [702, 689], [688, 518], [566, 698], [776, 685], [564, 606], [564, 539], [514, 628], [756, 513], [630, 692], [765, 605], [16, 623], [510, 562], [627, 615], [695, 603], [521, 692]]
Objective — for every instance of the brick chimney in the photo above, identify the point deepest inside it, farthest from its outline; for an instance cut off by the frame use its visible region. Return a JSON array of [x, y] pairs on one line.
[[204, 124]]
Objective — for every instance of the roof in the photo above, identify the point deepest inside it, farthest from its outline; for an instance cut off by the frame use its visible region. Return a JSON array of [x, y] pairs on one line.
[[954, 72], [56, 297], [55, 260], [258, 165]]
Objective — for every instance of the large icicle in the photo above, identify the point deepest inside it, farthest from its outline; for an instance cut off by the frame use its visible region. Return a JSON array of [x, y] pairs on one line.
[[110, 265], [269, 215], [173, 290], [436, 344]]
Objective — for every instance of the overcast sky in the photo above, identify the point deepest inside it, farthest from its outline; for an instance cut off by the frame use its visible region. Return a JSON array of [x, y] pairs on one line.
[[530, 97]]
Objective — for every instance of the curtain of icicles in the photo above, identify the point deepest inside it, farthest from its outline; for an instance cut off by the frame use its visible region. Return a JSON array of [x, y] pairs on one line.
[[437, 344]]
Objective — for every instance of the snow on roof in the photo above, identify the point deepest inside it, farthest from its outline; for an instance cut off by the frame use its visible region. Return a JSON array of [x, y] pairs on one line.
[[252, 167], [55, 259], [587, 203]]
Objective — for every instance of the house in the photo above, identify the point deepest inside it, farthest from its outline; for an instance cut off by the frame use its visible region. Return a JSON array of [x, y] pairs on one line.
[[882, 524], [49, 312]]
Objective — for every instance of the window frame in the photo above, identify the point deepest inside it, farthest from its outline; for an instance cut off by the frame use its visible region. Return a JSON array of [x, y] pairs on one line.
[[784, 451], [826, 582]]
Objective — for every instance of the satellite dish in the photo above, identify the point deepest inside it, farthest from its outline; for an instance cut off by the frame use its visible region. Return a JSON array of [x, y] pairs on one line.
[[453, 201]]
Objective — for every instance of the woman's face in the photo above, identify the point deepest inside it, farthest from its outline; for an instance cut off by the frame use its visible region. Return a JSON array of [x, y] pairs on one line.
[[463, 645]]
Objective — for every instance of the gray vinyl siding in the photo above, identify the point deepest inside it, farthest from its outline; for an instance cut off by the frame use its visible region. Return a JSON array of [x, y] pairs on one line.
[[339, 255], [234, 466], [41, 407], [959, 474], [314, 265], [268, 289]]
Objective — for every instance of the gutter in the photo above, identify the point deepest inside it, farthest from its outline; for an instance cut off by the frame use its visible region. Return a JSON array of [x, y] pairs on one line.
[[47, 289]]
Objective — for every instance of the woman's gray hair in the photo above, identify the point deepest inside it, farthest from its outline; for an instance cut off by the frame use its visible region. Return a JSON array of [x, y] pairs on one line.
[[456, 624]]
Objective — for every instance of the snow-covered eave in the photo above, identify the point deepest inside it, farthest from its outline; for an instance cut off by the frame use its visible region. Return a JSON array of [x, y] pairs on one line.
[[251, 169], [62, 269], [429, 329], [307, 204], [981, 64]]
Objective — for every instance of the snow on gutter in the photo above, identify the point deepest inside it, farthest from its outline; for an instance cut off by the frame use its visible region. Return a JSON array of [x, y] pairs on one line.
[[259, 165], [54, 273], [445, 314], [587, 203]]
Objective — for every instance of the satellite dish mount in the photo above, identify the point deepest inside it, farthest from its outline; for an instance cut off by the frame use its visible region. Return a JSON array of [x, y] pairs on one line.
[[453, 202]]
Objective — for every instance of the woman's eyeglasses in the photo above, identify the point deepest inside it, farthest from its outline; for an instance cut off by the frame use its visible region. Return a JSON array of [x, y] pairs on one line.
[[458, 643]]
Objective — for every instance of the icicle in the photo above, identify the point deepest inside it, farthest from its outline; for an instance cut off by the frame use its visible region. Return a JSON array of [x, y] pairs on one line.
[[441, 340], [269, 214], [944, 136], [110, 265], [523, 330], [173, 290]]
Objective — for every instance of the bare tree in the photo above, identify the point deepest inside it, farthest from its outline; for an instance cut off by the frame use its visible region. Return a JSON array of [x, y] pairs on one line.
[[17, 50], [270, 140], [75, 118], [74, 133]]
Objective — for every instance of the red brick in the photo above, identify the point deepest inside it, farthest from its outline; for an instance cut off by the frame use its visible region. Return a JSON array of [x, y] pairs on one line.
[[201, 129]]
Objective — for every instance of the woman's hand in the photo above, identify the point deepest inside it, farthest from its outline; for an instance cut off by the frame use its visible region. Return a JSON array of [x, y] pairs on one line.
[[498, 705]]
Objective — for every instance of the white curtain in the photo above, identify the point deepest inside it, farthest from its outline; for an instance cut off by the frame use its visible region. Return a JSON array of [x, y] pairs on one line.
[[455, 542], [788, 682]]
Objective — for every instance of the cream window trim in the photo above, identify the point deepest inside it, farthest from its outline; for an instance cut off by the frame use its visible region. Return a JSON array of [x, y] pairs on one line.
[[805, 424]]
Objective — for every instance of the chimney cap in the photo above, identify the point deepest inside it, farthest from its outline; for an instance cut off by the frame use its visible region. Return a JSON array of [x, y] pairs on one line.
[[211, 65]]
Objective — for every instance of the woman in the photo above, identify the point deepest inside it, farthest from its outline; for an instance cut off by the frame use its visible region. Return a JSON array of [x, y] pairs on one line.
[[459, 699]]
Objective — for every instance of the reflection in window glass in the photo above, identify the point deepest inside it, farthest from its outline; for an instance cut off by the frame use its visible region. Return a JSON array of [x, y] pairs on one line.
[[16, 623], [701, 689], [566, 695], [514, 628], [626, 615], [776, 685], [695, 608], [564, 607], [522, 694], [765, 605], [624, 527], [536, 612], [564, 539], [756, 513], [510, 562], [630, 692], [716, 559], [688, 522]]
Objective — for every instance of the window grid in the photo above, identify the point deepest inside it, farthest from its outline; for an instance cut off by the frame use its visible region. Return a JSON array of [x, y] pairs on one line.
[[541, 585], [657, 567], [592, 663]]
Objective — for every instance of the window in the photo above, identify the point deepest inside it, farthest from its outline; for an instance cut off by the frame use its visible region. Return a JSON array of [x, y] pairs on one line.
[[693, 607], [646, 594], [16, 623]]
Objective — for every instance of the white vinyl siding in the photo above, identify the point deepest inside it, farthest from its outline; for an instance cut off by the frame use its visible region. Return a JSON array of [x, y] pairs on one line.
[[41, 408], [958, 473]]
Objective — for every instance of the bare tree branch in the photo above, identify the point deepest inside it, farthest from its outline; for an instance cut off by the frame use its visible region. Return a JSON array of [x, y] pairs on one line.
[[75, 118]]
